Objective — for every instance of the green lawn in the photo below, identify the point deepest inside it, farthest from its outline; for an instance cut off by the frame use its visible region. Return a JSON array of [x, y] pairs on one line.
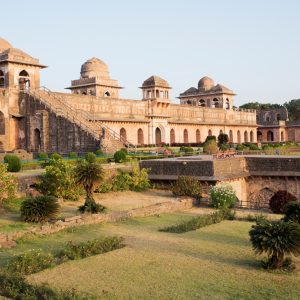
[[215, 262]]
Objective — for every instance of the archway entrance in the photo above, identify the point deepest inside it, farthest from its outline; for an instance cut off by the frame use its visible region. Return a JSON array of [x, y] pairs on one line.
[[24, 80], [270, 136], [157, 136], [185, 136], [172, 136], [123, 136], [140, 137], [37, 140], [259, 136]]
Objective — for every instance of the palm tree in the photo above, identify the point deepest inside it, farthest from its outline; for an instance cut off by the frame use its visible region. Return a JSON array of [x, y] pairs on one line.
[[89, 173], [276, 238]]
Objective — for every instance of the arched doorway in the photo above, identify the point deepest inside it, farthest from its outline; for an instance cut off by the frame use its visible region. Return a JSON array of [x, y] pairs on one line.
[[230, 136], [270, 136], [24, 80], [2, 123], [172, 136], [259, 136], [2, 79], [198, 137], [251, 136], [282, 136], [238, 136], [157, 136], [185, 136], [123, 134], [246, 136], [209, 132], [37, 140], [140, 135]]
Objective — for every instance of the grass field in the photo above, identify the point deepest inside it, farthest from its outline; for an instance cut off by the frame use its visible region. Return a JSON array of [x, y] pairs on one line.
[[216, 262]]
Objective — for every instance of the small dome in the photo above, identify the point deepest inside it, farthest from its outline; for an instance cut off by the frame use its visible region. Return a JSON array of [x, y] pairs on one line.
[[205, 84], [4, 45], [155, 81], [94, 67]]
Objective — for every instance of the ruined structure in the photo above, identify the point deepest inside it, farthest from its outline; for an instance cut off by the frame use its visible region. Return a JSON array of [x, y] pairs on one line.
[[94, 115], [274, 126], [254, 178]]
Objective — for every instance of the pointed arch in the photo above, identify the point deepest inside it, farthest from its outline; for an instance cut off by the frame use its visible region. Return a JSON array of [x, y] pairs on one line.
[[158, 139], [140, 136], [172, 136], [2, 123], [238, 137], [185, 136], [230, 136], [246, 136], [123, 134], [251, 136], [198, 136]]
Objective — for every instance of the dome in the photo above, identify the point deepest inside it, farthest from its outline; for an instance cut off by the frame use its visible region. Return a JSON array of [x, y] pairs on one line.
[[94, 67], [4, 45], [205, 84], [155, 81]]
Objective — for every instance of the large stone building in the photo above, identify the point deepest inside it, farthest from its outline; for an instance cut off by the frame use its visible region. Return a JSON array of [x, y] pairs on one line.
[[94, 115], [274, 126]]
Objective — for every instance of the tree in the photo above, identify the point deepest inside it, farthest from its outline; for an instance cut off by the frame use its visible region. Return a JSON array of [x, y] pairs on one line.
[[277, 239], [88, 173], [223, 140], [258, 106], [7, 184], [293, 108], [58, 181], [211, 147]]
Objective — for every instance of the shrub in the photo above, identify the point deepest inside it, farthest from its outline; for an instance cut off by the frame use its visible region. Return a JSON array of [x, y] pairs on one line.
[[31, 262], [240, 147], [90, 157], [292, 211], [122, 181], [91, 206], [120, 156], [186, 149], [124, 150], [187, 186], [105, 187], [223, 139], [279, 200], [13, 163], [201, 221], [55, 156], [99, 152], [98, 246], [15, 286], [39, 208], [222, 196], [211, 147], [7, 184], [277, 239], [73, 155], [43, 156], [58, 181]]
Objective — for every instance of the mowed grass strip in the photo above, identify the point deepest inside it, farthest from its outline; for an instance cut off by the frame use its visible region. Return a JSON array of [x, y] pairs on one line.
[[216, 262]]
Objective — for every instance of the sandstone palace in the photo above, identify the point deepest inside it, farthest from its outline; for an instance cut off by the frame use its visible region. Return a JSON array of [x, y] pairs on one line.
[[93, 114]]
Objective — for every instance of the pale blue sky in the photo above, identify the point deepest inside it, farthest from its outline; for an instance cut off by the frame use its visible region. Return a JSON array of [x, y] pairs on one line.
[[250, 46]]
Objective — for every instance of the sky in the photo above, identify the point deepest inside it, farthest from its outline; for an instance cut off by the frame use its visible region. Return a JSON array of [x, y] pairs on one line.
[[251, 47]]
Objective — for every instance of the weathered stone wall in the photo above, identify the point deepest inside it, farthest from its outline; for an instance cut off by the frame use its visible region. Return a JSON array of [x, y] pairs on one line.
[[8, 240]]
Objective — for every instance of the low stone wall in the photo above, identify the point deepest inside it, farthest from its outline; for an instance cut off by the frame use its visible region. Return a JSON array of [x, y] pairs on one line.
[[8, 240]]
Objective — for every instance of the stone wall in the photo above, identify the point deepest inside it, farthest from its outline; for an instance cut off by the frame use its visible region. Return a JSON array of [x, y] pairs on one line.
[[8, 240]]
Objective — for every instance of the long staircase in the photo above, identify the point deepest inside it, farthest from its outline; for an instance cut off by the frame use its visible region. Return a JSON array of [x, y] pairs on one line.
[[110, 140]]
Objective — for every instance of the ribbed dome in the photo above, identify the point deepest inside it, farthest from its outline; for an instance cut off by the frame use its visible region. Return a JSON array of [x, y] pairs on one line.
[[4, 45], [94, 67], [205, 84]]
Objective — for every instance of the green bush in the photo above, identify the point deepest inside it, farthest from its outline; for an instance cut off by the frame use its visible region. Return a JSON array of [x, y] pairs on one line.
[[187, 186], [8, 185], [13, 163], [91, 206], [223, 140], [58, 181], [186, 149], [99, 152], [90, 157], [210, 147], [292, 212], [105, 187], [279, 200], [239, 147], [55, 156], [277, 239], [122, 181], [31, 262], [120, 156], [201, 221], [98, 246], [222, 196], [124, 150], [39, 208], [73, 155], [15, 286], [42, 156]]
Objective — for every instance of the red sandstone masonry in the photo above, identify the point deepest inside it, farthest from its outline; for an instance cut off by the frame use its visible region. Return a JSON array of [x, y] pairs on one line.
[[8, 240]]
